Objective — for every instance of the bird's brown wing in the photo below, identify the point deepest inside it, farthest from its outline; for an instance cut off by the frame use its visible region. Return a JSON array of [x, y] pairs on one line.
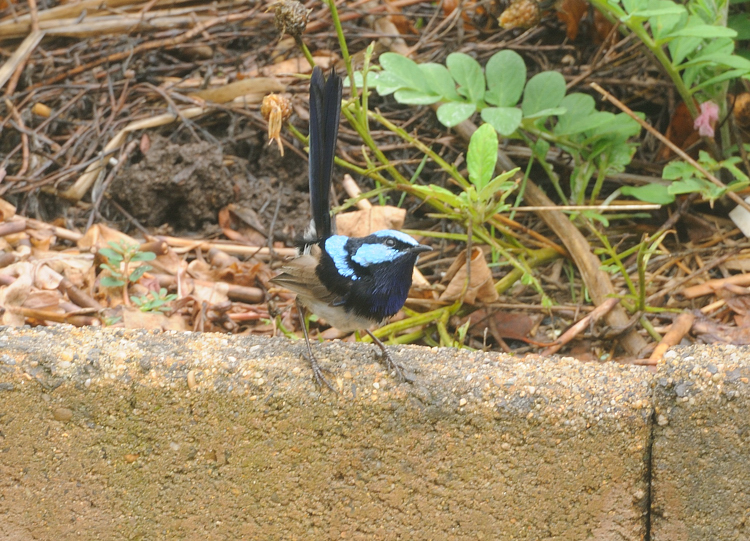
[[298, 275]]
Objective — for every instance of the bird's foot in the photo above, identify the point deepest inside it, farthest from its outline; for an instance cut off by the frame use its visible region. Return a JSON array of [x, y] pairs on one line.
[[318, 377], [389, 361]]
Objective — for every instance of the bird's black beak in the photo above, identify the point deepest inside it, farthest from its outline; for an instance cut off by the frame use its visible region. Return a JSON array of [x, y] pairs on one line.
[[420, 248]]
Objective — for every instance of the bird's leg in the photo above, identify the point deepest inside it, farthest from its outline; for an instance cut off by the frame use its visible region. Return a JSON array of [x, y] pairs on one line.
[[390, 363], [318, 376]]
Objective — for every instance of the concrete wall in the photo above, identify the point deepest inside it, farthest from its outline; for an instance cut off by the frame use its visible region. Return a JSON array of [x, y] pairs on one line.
[[142, 435], [701, 452]]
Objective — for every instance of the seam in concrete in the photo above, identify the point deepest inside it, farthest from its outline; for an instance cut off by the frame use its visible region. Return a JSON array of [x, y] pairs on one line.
[[649, 471]]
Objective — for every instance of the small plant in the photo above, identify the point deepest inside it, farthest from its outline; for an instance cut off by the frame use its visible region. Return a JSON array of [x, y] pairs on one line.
[[120, 255], [696, 49], [600, 142], [687, 179], [154, 301], [485, 196]]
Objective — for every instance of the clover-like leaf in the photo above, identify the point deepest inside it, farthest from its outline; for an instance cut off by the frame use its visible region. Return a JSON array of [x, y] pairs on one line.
[[415, 97], [504, 119], [440, 81], [506, 77], [453, 113], [468, 74], [399, 72], [544, 90]]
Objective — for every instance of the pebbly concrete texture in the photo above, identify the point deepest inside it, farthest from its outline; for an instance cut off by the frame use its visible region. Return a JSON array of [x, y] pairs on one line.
[[147, 435], [701, 450]]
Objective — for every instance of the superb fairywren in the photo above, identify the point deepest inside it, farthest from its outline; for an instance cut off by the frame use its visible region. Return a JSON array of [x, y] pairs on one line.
[[353, 283]]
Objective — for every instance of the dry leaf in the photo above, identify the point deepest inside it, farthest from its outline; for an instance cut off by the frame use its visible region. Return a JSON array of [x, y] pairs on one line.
[[242, 224], [215, 293], [44, 300], [361, 223], [133, 318], [680, 131], [255, 86], [602, 27], [502, 324], [16, 293], [571, 12], [741, 109], [481, 288], [99, 235], [7, 211]]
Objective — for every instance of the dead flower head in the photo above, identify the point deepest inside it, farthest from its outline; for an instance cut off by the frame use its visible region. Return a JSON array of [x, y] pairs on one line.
[[290, 16], [276, 109]]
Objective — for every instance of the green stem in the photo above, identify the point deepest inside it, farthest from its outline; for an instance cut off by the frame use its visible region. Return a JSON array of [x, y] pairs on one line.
[[414, 321], [344, 49], [646, 324], [537, 258], [305, 50], [445, 166]]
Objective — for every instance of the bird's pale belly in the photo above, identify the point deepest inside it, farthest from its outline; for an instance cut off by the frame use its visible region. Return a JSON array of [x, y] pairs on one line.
[[336, 316]]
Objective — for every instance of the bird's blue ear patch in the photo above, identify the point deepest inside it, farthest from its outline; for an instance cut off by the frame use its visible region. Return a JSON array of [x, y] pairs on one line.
[[335, 246], [372, 254]]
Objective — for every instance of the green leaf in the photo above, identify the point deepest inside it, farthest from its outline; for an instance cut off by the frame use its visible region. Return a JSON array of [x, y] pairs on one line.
[[738, 174], [650, 193], [403, 69], [680, 48], [634, 5], [544, 113], [415, 97], [506, 77], [138, 272], [482, 155], [740, 23], [577, 106], [678, 169], [110, 254], [439, 193], [590, 122], [661, 25], [451, 114], [388, 83], [108, 281], [468, 74], [656, 12], [726, 76], [721, 59], [143, 256], [498, 184], [687, 185], [705, 31], [504, 119], [372, 79], [439, 81], [544, 91], [621, 125]]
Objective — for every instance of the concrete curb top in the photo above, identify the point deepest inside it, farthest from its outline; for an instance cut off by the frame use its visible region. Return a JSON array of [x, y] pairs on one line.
[[115, 434]]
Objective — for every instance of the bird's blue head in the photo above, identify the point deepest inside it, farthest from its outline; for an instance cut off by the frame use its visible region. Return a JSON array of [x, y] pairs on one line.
[[375, 270]]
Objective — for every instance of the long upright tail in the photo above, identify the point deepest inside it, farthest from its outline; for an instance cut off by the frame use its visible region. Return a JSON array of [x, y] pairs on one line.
[[325, 109]]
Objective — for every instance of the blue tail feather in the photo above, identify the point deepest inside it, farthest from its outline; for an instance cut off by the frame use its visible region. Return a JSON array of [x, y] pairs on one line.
[[325, 110]]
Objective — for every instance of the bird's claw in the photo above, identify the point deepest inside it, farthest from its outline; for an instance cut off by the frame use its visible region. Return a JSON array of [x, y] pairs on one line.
[[318, 377]]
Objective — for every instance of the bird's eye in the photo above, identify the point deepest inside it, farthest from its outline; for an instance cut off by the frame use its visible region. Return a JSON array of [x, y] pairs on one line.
[[390, 242]]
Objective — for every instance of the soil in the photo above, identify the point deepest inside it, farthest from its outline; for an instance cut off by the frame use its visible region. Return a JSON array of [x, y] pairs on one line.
[[185, 185]]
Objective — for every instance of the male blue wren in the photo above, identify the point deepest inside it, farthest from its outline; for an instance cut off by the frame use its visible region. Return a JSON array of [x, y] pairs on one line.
[[353, 283]]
